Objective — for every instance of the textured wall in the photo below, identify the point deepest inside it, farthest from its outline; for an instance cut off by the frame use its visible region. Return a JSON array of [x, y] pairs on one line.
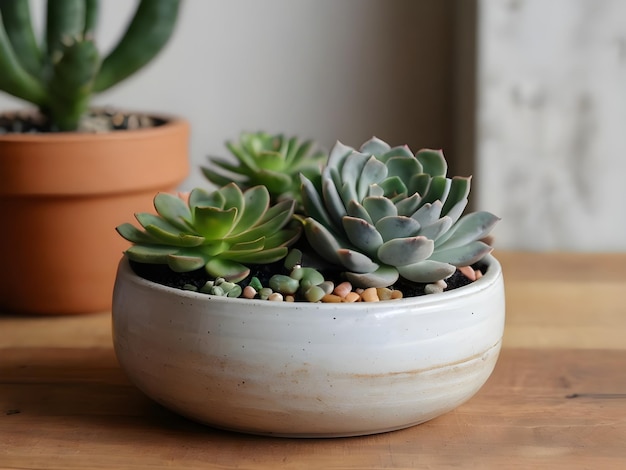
[[551, 144]]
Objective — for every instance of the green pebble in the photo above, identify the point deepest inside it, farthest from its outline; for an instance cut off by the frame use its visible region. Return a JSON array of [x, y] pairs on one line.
[[284, 284], [314, 294], [190, 287], [265, 292], [256, 284]]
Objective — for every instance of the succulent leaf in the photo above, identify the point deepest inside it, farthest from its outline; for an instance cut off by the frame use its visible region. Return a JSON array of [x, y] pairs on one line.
[[426, 271], [463, 255], [397, 227], [362, 234], [173, 209], [382, 277], [433, 162], [469, 228], [379, 207], [404, 251], [356, 262]]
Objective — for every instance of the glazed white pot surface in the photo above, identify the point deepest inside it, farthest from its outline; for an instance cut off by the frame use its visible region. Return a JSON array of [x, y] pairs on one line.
[[308, 370]]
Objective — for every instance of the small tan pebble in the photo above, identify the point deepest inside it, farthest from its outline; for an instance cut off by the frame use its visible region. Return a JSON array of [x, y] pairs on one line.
[[396, 294], [343, 289], [249, 292], [468, 272], [275, 297], [384, 293], [435, 287], [352, 297], [370, 295], [331, 298], [479, 274], [359, 290], [290, 298]]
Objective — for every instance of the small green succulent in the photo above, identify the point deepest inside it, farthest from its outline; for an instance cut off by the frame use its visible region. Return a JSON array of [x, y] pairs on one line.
[[383, 212], [269, 160], [222, 231]]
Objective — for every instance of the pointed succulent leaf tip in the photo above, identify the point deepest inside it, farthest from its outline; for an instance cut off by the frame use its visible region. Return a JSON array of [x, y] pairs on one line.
[[379, 207], [428, 213], [469, 228], [134, 235], [433, 162], [463, 255], [150, 254], [407, 201], [372, 173], [375, 146], [459, 190], [356, 262]]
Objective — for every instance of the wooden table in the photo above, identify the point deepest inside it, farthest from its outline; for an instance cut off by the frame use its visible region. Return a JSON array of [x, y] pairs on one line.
[[556, 400]]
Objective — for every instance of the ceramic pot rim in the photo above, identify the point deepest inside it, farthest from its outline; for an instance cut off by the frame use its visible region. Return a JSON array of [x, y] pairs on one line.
[[491, 277]]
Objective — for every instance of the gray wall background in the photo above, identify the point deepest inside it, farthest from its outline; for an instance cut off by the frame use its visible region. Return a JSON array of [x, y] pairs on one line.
[[535, 112]]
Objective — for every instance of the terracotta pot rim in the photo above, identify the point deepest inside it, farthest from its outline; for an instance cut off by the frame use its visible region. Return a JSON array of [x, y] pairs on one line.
[[170, 122]]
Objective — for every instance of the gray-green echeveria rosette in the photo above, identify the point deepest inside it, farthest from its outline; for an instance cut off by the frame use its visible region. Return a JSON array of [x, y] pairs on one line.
[[221, 231], [383, 212]]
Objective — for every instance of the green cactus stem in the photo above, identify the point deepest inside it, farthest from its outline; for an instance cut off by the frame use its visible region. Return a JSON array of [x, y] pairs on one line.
[[61, 76]]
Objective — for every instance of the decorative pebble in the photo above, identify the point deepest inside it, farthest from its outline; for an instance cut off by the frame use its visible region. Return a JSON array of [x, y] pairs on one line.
[[479, 274], [265, 292], [290, 298], [370, 295], [314, 294], [249, 292], [327, 286], [384, 293], [435, 287], [284, 284], [275, 297], [331, 298], [293, 259], [396, 294], [468, 272], [343, 289], [352, 297]]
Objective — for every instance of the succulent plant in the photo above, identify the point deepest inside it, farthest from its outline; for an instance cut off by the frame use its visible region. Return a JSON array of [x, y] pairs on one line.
[[384, 212], [223, 231], [60, 76], [269, 160]]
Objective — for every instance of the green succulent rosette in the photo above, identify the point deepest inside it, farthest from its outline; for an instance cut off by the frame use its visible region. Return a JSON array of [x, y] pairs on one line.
[[222, 231], [273, 161], [383, 212]]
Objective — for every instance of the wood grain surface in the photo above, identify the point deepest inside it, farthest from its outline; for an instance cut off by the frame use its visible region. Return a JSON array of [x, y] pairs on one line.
[[556, 400]]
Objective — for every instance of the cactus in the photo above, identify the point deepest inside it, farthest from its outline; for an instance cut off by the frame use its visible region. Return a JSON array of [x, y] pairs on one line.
[[383, 212], [221, 231], [269, 160], [61, 76]]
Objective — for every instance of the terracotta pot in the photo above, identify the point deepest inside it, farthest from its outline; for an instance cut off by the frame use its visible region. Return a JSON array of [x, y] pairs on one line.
[[61, 197], [308, 369]]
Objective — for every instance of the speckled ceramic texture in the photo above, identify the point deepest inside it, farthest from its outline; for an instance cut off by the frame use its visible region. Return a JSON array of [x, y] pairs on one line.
[[308, 370]]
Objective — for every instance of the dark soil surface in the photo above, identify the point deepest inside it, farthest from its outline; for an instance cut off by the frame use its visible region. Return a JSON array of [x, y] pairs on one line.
[[163, 275], [97, 121]]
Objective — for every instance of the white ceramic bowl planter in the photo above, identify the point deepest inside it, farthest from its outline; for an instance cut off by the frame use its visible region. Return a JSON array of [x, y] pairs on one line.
[[308, 370]]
